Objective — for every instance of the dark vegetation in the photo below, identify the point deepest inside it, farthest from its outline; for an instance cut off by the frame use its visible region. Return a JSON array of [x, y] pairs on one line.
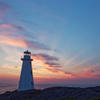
[[54, 93]]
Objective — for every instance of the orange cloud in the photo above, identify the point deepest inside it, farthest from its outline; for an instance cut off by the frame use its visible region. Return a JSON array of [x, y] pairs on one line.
[[9, 77], [12, 41], [11, 67], [15, 67], [12, 59], [50, 65]]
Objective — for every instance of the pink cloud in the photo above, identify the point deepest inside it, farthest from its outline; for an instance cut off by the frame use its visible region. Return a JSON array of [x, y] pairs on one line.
[[18, 42], [8, 37], [36, 45], [55, 70], [10, 27], [45, 57], [3, 8], [53, 64], [88, 71], [51, 61]]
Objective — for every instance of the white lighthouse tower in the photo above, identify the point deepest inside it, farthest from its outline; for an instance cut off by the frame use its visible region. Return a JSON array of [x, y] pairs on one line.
[[26, 77]]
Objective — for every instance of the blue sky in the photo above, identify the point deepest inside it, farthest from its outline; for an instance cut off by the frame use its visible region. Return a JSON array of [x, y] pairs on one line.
[[65, 29]]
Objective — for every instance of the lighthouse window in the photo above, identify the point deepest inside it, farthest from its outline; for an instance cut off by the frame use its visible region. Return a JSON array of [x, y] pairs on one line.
[[31, 72], [32, 83]]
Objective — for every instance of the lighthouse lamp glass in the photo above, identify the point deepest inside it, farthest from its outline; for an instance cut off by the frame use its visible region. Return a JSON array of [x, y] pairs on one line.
[[27, 54]]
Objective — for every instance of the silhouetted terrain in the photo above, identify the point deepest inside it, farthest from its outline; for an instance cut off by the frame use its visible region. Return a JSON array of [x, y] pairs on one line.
[[55, 93]]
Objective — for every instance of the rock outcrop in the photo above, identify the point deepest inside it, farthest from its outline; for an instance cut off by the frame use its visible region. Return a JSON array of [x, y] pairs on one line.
[[54, 93]]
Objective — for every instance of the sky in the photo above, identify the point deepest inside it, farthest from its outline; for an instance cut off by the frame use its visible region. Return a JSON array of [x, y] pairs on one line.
[[63, 37]]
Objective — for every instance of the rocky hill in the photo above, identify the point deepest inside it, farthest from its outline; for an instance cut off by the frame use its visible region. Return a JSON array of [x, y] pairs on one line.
[[55, 93]]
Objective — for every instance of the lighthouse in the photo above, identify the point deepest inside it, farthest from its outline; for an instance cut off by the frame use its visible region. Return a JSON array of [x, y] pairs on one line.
[[26, 78]]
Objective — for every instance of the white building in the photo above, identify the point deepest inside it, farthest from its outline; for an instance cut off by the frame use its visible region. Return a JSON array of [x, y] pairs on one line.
[[26, 77]]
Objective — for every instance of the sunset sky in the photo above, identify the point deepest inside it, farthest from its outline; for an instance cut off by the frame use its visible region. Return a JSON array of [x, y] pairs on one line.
[[62, 35]]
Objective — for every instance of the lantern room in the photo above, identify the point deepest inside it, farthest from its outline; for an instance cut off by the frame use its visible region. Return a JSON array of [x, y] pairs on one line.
[[27, 55]]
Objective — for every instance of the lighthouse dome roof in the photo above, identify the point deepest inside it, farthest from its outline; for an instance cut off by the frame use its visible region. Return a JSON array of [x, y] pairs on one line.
[[27, 52]]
